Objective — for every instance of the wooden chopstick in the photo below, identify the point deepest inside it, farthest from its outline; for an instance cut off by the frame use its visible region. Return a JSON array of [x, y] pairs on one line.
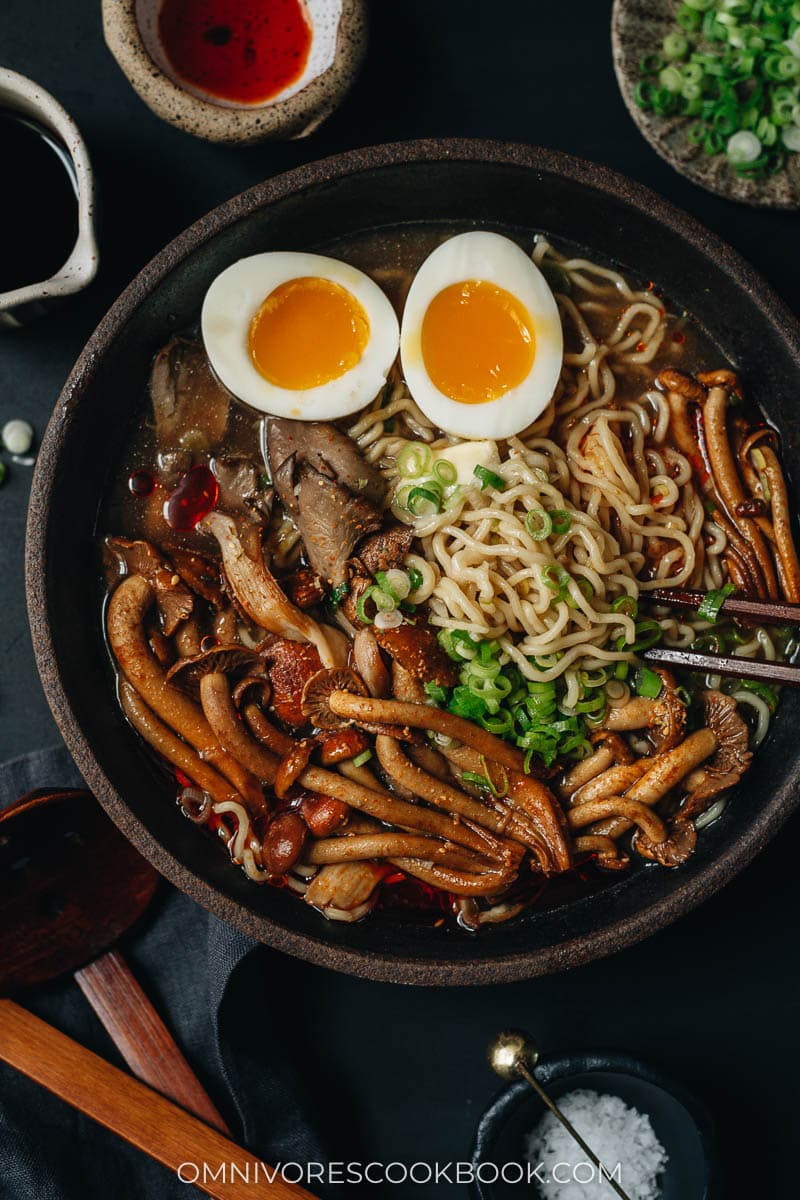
[[140, 1116], [724, 664], [767, 612]]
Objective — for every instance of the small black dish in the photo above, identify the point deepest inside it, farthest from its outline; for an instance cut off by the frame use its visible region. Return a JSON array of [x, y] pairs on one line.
[[680, 1122]]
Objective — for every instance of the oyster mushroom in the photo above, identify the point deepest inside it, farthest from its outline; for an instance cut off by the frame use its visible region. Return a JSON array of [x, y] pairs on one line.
[[332, 521], [334, 495], [258, 593], [174, 601], [327, 451], [664, 718], [188, 400], [731, 758], [343, 891]]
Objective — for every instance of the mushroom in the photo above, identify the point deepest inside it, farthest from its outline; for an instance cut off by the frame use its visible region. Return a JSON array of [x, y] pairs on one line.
[[174, 601], [370, 664], [330, 490], [243, 488], [199, 573], [332, 521], [418, 782], [188, 399], [553, 852], [290, 666], [343, 891], [775, 484], [324, 448], [615, 780], [729, 485], [608, 854], [386, 844], [186, 673], [317, 691], [386, 549], [634, 812], [415, 647], [258, 593], [731, 758], [127, 637], [664, 718], [677, 849], [664, 773], [372, 799], [172, 748], [423, 716]]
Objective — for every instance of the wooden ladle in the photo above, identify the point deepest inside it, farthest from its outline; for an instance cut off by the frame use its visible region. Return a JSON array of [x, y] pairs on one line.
[[70, 886]]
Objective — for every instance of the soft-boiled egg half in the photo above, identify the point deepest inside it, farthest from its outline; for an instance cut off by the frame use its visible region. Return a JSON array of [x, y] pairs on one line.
[[481, 341], [299, 335]]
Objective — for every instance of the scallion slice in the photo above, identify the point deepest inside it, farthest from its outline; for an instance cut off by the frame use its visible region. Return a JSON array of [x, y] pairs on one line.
[[445, 471], [712, 604], [414, 460], [538, 524], [423, 502], [647, 683], [489, 479]]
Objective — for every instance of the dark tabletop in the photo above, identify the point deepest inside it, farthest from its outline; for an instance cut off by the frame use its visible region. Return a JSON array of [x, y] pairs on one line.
[[401, 1073]]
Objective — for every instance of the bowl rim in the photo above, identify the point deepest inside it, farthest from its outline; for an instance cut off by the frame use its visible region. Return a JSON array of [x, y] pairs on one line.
[[436, 970], [553, 1068]]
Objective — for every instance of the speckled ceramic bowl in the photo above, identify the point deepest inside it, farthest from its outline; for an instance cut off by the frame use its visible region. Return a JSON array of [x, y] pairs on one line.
[[512, 188], [132, 35], [638, 28]]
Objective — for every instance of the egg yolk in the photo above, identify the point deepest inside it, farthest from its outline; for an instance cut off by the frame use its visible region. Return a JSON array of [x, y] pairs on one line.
[[477, 341], [307, 332]]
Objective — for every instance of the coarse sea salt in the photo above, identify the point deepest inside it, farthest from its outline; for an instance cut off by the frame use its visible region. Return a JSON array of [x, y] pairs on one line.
[[616, 1133]]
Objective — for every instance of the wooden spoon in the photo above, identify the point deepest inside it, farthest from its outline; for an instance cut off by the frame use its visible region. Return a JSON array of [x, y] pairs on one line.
[[70, 886]]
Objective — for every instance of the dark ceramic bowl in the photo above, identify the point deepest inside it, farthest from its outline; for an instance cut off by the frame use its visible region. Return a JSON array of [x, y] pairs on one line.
[[508, 187], [679, 1121]]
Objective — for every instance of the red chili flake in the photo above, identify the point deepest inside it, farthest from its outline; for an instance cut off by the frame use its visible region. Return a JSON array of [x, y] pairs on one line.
[[641, 347]]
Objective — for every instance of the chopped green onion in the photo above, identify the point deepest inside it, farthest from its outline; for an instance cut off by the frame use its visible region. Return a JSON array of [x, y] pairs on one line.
[[383, 601], [361, 603], [538, 524], [647, 683], [489, 479], [362, 758], [338, 594], [562, 520], [394, 583], [415, 578], [760, 689], [627, 605], [435, 692], [480, 781], [414, 460], [445, 472], [712, 604], [675, 45], [423, 502]]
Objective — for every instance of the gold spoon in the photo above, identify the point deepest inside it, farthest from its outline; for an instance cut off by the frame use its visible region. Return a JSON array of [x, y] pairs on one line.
[[514, 1055]]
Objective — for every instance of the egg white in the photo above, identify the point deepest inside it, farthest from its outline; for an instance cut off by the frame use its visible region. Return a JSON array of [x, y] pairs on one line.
[[235, 297], [492, 258]]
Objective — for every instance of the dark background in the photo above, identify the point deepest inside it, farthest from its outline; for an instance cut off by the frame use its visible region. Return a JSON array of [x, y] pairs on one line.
[[401, 1072]]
